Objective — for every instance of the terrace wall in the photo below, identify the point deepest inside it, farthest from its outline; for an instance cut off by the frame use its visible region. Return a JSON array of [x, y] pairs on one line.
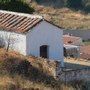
[[53, 68]]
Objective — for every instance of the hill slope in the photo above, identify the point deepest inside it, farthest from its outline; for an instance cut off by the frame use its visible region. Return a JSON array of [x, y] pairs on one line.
[[17, 73], [64, 17], [56, 12]]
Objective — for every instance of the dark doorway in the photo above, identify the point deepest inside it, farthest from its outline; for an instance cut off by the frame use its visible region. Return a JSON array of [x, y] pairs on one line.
[[44, 51]]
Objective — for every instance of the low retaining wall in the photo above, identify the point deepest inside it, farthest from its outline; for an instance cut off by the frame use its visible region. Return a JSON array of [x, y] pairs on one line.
[[53, 68], [70, 75]]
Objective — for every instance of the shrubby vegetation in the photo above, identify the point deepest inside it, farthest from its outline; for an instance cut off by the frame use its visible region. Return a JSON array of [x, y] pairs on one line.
[[16, 5], [22, 6], [79, 4], [74, 4], [17, 73]]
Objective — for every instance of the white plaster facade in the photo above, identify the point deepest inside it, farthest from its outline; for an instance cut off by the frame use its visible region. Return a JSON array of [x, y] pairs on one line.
[[17, 41], [42, 34]]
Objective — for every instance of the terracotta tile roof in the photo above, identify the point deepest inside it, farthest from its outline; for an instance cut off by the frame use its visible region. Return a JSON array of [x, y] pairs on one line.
[[67, 39], [18, 22]]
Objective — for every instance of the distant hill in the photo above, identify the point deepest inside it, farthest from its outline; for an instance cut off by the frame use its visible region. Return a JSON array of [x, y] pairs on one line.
[[64, 16]]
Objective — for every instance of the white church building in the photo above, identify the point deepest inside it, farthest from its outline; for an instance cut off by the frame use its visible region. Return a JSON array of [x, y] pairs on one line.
[[31, 35]]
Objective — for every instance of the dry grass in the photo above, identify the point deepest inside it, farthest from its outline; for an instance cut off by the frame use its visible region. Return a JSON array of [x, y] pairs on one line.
[[19, 83], [12, 77], [72, 20], [64, 17], [4, 54], [33, 79]]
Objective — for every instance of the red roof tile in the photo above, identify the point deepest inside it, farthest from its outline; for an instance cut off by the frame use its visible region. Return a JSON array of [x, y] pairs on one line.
[[16, 22]]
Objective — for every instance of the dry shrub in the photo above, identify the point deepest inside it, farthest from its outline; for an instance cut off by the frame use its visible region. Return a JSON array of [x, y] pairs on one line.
[[27, 74], [14, 66], [44, 65]]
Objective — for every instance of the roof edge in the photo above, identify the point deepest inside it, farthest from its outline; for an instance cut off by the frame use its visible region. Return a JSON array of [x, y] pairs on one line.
[[54, 24], [22, 14]]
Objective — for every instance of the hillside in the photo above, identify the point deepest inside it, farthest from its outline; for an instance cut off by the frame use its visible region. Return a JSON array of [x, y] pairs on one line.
[[63, 16], [18, 72]]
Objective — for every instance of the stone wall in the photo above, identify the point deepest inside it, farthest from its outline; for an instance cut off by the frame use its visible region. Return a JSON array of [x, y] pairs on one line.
[[70, 75], [53, 68]]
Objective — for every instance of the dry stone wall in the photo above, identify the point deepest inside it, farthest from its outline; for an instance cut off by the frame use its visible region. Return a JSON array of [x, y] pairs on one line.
[[53, 68], [70, 75]]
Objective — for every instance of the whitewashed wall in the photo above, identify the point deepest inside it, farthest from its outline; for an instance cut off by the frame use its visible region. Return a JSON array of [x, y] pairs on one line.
[[17, 41], [45, 34]]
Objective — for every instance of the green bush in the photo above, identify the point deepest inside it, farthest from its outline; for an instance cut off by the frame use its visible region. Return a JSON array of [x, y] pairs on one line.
[[87, 7], [16, 5]]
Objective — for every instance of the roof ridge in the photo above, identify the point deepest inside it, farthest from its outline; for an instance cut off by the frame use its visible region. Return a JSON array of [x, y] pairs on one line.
[[22, 14]]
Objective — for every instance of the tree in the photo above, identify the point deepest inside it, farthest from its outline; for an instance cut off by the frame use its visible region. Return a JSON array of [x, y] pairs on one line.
[[16, 5], [74, 3]]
